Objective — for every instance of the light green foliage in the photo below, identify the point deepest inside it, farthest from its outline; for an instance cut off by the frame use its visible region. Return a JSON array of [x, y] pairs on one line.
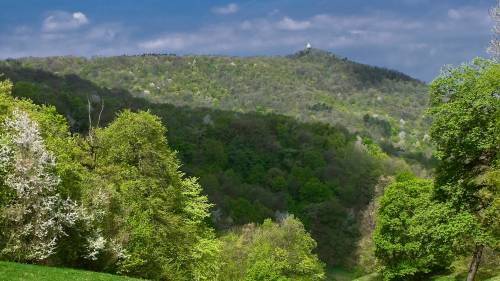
[[414, 235], [270, 252], [366, 260], [139, 214], [160, 214], [465, 107]]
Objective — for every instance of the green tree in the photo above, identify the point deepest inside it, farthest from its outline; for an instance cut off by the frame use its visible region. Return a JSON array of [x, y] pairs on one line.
[[414, 235], [465, 108], [270, 252], [158, 214], [314, 191]]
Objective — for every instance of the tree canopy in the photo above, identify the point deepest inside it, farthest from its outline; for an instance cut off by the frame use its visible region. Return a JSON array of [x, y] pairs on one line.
[[465, 108], [280, 251]]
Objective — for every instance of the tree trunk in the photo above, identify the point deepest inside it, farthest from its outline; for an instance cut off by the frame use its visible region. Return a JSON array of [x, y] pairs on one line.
[[474, 263]]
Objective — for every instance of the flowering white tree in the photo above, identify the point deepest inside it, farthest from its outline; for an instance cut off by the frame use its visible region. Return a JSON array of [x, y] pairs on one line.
[[35, 218]]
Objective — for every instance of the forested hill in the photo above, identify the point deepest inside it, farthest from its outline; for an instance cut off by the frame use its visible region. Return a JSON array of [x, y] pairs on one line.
[[251, 165], [310, 85], [251, 162]]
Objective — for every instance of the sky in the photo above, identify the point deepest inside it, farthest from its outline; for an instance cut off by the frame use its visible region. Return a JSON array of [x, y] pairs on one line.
[[416, 37]]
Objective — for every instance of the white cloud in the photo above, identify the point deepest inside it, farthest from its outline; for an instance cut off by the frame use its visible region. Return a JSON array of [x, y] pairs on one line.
[[262, 34], [226, 10], [172, 41], [289, 24], [470, 14], [64, 21], [99, 39]]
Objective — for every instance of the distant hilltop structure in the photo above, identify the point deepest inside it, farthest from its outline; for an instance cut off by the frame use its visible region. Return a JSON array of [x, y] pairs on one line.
[[308, 46]]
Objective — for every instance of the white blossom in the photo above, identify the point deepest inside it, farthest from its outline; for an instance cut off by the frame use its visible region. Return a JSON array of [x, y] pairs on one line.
[[36, 216], [95, 246]]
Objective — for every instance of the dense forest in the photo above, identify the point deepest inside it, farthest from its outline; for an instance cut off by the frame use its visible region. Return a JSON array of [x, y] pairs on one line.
[[224, 168]]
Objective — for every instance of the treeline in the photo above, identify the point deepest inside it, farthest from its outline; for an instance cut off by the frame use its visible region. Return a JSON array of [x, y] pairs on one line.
[[310, 86], [115, 200]]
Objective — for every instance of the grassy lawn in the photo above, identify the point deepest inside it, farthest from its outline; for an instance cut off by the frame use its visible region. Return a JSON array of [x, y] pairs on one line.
[[23, 272], [10, 271]]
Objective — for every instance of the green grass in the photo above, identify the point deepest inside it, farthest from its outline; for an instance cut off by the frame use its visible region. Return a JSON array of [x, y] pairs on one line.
[[369, 277], [339, 274], [10, 271], [461, 277], [24, 272], [452, 277]]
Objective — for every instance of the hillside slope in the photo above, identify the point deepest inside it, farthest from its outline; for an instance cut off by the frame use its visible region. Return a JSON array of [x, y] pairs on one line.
[[311, 85], [24, 272]]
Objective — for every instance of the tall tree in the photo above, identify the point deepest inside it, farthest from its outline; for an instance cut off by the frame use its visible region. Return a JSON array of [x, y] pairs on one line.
[[155, 213], [465, 108]]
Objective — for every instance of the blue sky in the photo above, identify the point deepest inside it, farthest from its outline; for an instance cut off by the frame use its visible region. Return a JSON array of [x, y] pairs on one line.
[[413, 36]]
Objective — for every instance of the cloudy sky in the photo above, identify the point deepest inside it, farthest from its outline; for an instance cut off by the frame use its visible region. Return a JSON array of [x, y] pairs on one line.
[[413, 36]]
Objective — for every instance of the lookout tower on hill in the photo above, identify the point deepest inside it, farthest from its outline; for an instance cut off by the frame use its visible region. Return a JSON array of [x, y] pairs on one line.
[[308, 46]]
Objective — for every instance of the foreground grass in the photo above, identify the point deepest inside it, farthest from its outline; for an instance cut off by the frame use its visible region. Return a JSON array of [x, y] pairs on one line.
[[461, 277], [24, 272]]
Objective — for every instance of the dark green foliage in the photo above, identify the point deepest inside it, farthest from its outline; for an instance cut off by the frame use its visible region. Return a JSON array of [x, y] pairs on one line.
[[271, 163], [376, 124]]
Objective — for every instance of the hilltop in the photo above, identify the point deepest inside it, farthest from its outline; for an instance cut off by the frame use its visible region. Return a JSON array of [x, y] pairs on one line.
[[310, 85]]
